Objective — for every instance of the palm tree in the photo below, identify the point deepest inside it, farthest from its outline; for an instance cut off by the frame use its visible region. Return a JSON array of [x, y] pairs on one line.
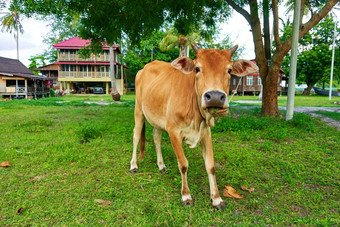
[[172, 39], [11, 22]]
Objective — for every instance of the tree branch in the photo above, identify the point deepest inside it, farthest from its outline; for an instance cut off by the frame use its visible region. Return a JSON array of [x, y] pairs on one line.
[[304, 28], [310, 8], [276, 24], [257, 38], [302, 10], [239, 9]]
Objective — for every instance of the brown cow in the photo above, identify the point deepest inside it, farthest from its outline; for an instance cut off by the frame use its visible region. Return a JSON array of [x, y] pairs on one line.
[[182, 98]]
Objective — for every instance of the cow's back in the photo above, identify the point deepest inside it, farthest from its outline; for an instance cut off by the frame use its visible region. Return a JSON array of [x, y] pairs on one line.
[[165, 95]]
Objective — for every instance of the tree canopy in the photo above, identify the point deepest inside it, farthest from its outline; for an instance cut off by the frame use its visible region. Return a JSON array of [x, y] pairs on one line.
[[109, 20], [314, 59]]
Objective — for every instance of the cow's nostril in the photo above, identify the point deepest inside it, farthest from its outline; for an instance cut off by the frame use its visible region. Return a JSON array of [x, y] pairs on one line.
[[207, 97], [222, 98]]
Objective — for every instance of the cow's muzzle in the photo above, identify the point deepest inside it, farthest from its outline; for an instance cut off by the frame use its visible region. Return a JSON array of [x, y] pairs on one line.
[[215, 102], [215, 99]]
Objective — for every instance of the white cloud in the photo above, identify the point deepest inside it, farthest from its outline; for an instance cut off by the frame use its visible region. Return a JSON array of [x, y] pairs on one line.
[[30, 42]]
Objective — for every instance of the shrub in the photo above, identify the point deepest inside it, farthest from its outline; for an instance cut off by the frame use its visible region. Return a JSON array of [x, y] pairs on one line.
[[86, 131]]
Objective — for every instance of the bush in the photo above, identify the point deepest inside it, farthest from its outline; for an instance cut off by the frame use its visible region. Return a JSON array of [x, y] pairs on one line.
[[86, 131]]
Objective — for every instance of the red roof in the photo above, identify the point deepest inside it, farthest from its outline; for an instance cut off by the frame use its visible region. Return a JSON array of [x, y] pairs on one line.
[[78, 43]]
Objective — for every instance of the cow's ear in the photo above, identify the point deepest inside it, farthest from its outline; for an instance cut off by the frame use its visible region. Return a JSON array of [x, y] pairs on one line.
[[243, 67], [184, 64]]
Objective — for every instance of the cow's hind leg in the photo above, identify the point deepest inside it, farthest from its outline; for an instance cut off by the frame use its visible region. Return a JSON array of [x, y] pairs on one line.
[[157, 136], [137, 134], [183, 165]]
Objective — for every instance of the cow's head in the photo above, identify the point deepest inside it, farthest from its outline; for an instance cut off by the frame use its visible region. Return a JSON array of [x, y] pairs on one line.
[[213, 69]]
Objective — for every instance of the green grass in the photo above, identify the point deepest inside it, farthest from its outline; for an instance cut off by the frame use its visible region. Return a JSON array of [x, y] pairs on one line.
[[333, 115], [293, 167], [300, 100]]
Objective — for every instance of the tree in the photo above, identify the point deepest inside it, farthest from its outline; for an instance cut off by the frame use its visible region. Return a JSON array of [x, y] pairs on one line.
[[172, 39], [269, 64], [137, 55], [315, 56], [110, 20], [11, 22]]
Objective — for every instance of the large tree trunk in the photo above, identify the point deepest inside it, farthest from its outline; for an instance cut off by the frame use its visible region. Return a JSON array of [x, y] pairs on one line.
[[308, 89], [269, 97]]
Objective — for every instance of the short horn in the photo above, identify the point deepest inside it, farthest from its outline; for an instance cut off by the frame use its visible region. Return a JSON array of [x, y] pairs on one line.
[[232, 50], [195, 48]]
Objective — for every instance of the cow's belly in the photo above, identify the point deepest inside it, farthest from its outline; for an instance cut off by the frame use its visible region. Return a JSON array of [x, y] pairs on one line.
[[154, 118]]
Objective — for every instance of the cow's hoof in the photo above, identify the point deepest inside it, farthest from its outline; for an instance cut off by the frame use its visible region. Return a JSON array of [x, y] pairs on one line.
[[134, 170], [220, 207], [162, 170], [188, 202]]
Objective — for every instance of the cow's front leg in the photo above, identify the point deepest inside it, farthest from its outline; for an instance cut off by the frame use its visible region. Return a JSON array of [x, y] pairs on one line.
[[176, 142], [208, 156]]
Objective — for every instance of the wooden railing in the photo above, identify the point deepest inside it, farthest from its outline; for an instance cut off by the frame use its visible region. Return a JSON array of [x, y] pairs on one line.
[[64, 74], [76, 57]]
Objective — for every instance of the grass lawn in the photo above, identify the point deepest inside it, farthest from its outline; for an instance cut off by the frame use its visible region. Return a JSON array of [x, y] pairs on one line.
[[333, 115], [293, 167], [300, 100]]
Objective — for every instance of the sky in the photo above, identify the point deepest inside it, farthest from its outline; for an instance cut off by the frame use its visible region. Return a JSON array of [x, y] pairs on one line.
[[31, 41]]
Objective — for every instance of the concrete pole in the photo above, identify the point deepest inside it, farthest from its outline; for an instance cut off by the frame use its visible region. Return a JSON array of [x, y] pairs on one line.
[[26, 93], [16, 88], [332, 65], [293, 61]]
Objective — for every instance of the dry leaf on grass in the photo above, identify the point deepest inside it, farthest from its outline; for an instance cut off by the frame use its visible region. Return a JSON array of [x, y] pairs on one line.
[[5, 164], [103, 202], [244, 188], [231, 192], [20, 210], [37, 178]]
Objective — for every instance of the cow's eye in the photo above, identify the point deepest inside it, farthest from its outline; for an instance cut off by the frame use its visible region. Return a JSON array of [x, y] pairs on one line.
[[229, 71], [197, 70]]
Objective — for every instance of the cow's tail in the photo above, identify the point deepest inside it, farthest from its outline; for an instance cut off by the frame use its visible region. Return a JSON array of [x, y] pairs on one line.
[[142, 143]]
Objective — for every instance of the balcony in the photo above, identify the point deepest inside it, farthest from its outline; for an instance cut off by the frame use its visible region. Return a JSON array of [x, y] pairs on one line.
[[77, 58], [64, 74]]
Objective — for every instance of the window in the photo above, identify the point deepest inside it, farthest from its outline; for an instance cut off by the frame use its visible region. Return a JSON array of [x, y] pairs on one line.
[[249, 80], [82, 68], [65, 68], [259, 81], [90, 68], [73, 68]]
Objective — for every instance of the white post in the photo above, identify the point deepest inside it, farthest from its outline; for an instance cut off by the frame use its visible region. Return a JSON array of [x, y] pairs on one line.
[[293, 61], [26, 89], [332, 64], [16, 88]]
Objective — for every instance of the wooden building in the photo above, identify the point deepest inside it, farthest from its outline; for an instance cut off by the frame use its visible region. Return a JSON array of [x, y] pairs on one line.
[[75, 74], [251, 83], [17, 81]]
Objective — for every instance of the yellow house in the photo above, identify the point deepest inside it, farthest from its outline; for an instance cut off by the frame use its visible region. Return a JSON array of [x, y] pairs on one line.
[[84, 75]]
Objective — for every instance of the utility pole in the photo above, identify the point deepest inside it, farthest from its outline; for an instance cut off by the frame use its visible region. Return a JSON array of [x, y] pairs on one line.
[[293, 61], [332, 65]]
